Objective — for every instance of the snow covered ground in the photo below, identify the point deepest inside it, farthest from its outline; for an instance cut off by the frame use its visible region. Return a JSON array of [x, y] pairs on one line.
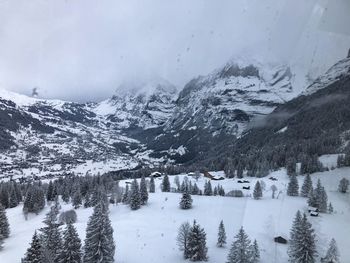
[[149, 234]]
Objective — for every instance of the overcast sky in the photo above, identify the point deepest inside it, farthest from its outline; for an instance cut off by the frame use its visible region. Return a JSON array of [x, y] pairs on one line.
[[84, 49]]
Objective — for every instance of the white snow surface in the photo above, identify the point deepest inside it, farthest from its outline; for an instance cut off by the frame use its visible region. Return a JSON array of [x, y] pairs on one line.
[[149, 234]]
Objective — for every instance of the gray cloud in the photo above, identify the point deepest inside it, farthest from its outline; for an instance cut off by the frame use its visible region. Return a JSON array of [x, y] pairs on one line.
[[84, 49]]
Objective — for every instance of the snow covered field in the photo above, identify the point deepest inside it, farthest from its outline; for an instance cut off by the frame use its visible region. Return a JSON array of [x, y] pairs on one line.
[[149, 234]]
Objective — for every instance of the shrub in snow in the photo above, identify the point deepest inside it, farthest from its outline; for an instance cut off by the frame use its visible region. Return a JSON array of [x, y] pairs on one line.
[[343, 185], [235, 193], [68, 217]]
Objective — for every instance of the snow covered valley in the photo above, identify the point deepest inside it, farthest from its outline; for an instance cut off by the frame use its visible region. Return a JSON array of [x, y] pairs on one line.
[[149, 234]]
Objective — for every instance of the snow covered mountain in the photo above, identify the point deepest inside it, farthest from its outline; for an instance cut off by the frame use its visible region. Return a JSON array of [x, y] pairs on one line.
[[227, 99], [147, 123], [143, 105]]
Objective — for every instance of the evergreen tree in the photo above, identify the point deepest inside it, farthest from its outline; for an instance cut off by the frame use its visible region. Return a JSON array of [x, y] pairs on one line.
[[4, 197], [13, 201], [302, 247], [125, 198], [320, 199], [77, 199], [152, 187], [49, 194], [241, 249], [293, 186], [197, 247], [134, 198], [143, 191], [186, 201], [255, 252], [343, 185], [182, 238], [307, 186], [51, 235], [166, 184], [87, 200], [330, 208], [208, 189], [35, 252], [332, 255], [71, 248], [257, 194], [195, 189], [4, 224], [221, 235], [1, 241], [99, 244]]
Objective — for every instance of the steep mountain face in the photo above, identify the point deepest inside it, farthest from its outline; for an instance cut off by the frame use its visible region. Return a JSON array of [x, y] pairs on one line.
[[219, 107], [141, 105], [226, 100]]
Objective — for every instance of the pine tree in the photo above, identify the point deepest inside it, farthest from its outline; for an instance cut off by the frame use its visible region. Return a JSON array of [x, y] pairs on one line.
[[1, 241], [255, 252], [197, 247], [293, 186], [77, 199], [4, 224], [343, 185], [312, 199], [320, 197], [221, 235], [330, 208], [87, 200], [332, 255], [35, 252], [13, 201], [182, 238], [208, 189], [51, 235], [195, 189], [166, 184], [125, 198], [71, 248], [4, 197], [99, 244], [307, 186], [143, 191], [240, 251], [186, 201], [134, 198], [302, 245], [49, 194], [152, 187], [257, 194]]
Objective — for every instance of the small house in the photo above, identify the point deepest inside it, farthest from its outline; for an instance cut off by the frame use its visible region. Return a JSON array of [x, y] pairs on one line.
[[280, 240], [246, 187]]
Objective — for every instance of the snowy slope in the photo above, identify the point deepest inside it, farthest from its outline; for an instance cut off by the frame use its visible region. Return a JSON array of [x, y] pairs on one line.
[[150, 233]]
